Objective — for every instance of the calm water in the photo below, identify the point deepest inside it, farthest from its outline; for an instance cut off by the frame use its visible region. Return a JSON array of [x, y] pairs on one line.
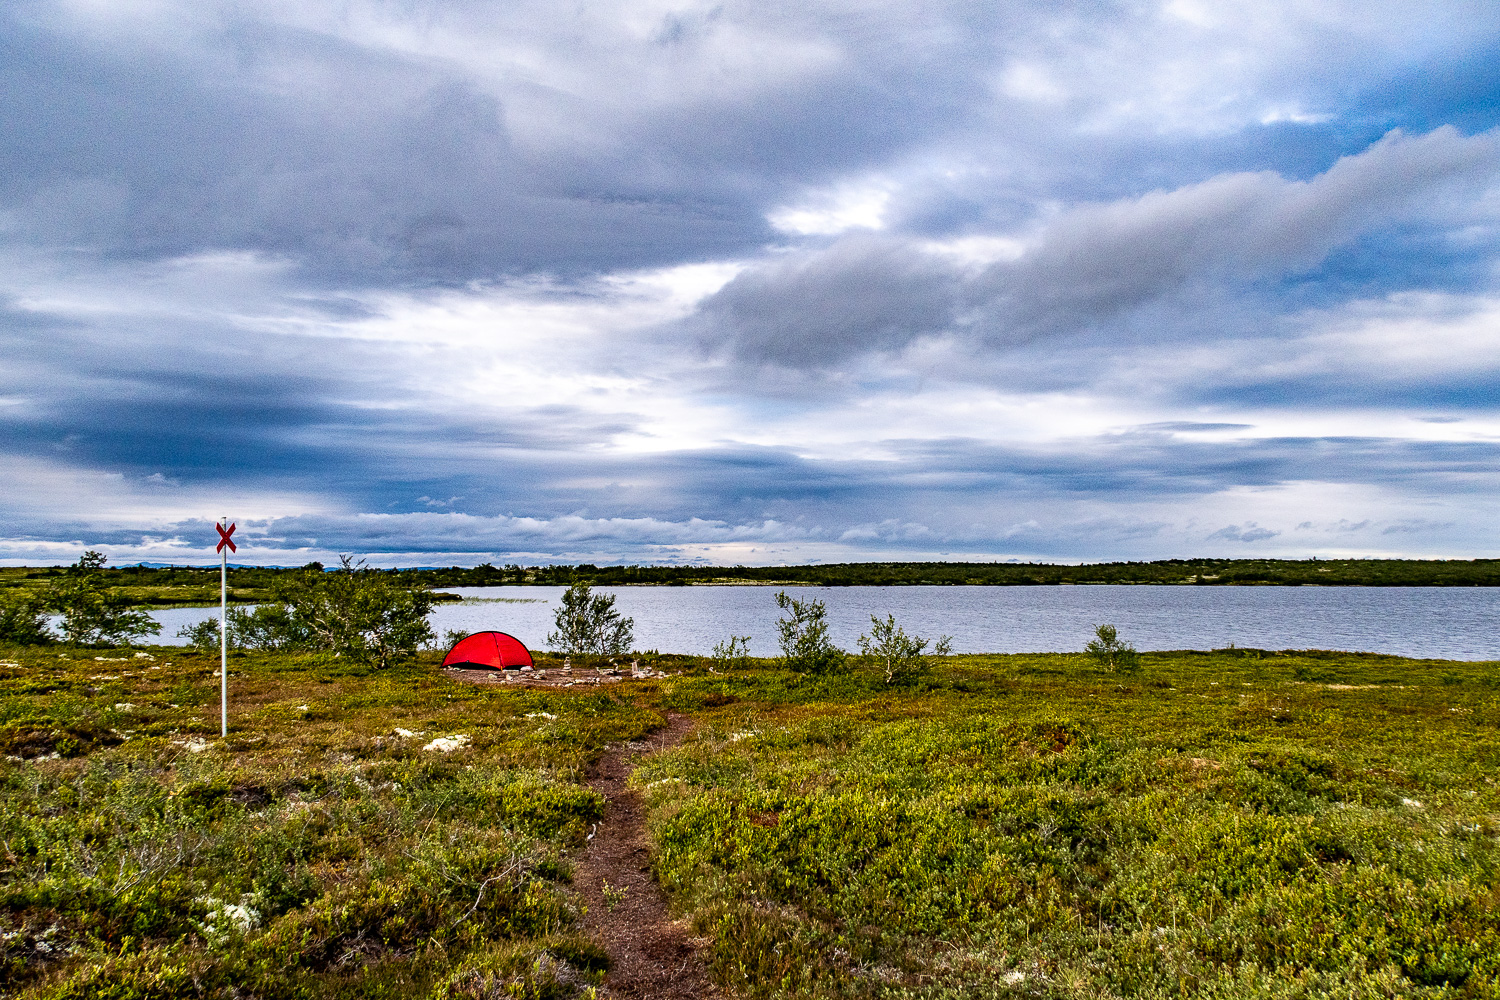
[[1461, 623]]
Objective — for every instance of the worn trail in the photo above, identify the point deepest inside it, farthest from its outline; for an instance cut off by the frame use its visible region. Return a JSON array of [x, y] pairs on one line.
[[650, 955]]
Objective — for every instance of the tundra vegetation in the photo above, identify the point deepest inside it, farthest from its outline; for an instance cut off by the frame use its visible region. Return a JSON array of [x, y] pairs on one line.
[[1234, 823]]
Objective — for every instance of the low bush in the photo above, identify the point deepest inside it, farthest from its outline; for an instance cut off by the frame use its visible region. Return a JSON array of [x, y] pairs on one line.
[[803, 635]]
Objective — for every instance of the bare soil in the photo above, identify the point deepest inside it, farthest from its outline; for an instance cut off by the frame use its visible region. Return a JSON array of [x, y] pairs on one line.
[[651, 956]]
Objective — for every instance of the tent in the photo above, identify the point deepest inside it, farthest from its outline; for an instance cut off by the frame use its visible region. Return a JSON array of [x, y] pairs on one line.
[[488, 651]]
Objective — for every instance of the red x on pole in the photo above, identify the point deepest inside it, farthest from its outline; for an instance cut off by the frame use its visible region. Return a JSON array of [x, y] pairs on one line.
[[224, 538]]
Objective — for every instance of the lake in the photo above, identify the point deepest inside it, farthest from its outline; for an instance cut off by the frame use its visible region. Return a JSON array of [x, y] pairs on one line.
[[1460, 623]]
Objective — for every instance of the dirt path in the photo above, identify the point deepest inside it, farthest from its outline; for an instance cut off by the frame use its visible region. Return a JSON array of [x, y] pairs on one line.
[[650, 956]]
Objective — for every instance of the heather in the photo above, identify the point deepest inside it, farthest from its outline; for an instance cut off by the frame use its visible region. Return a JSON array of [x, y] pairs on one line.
[[1230, 823]]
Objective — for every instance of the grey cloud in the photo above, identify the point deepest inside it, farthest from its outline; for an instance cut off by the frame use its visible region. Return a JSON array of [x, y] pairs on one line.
[[1096, 261], [956, 495], [345, 147], [1090, 264], [864, 293], [361, 166], [1414, 526], [1250, 532], [343, 137], [1192, 426]]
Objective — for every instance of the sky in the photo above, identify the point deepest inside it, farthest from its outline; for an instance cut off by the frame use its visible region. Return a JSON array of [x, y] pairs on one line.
[[664, 281]]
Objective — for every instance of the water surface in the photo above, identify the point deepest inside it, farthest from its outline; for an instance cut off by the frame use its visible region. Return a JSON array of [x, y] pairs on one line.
[[1461, 623]]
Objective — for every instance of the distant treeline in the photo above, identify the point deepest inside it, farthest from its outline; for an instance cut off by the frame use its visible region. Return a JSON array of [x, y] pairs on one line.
[[1210, 572], [183, 585]]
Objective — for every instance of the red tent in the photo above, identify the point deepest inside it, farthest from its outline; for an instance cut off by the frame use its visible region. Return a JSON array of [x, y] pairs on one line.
[[488, 650]]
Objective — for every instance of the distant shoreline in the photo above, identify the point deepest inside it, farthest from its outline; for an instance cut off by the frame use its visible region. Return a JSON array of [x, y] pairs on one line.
[[188, 586]]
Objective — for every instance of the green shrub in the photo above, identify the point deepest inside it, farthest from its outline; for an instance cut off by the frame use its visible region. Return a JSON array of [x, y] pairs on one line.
[[803, 635], [588, 624], [272, 627], [23, 620], [732, 652], [361, 614], [1111, 653], [898, 655], [93, 614]]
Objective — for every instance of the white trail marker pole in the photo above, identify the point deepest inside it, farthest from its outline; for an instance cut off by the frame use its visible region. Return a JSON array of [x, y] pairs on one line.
[[225, 530]]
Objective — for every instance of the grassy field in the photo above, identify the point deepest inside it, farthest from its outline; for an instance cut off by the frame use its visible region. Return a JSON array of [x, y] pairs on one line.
[[1224, 824]]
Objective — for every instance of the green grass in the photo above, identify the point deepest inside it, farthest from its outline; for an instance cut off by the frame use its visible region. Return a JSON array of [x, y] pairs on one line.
[[1237, 824]]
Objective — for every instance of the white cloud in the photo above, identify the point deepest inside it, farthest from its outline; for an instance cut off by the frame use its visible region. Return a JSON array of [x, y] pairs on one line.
[[828, 213], [1029, 82], [38, 491]]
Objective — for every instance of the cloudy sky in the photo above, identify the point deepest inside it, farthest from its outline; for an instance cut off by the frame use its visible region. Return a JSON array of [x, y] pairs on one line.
[[759, 282]]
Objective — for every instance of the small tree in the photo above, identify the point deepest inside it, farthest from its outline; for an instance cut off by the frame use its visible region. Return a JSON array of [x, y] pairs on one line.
[[732, 652], [897, 654], [364, 614], [803, 635], [273, 627], [451, 637], [1112, 653], [588, 624], [23, 621], [204, 635], [93, 614]]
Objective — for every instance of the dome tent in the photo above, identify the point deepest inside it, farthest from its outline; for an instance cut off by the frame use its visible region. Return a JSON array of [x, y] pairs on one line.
[[488, 651]]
